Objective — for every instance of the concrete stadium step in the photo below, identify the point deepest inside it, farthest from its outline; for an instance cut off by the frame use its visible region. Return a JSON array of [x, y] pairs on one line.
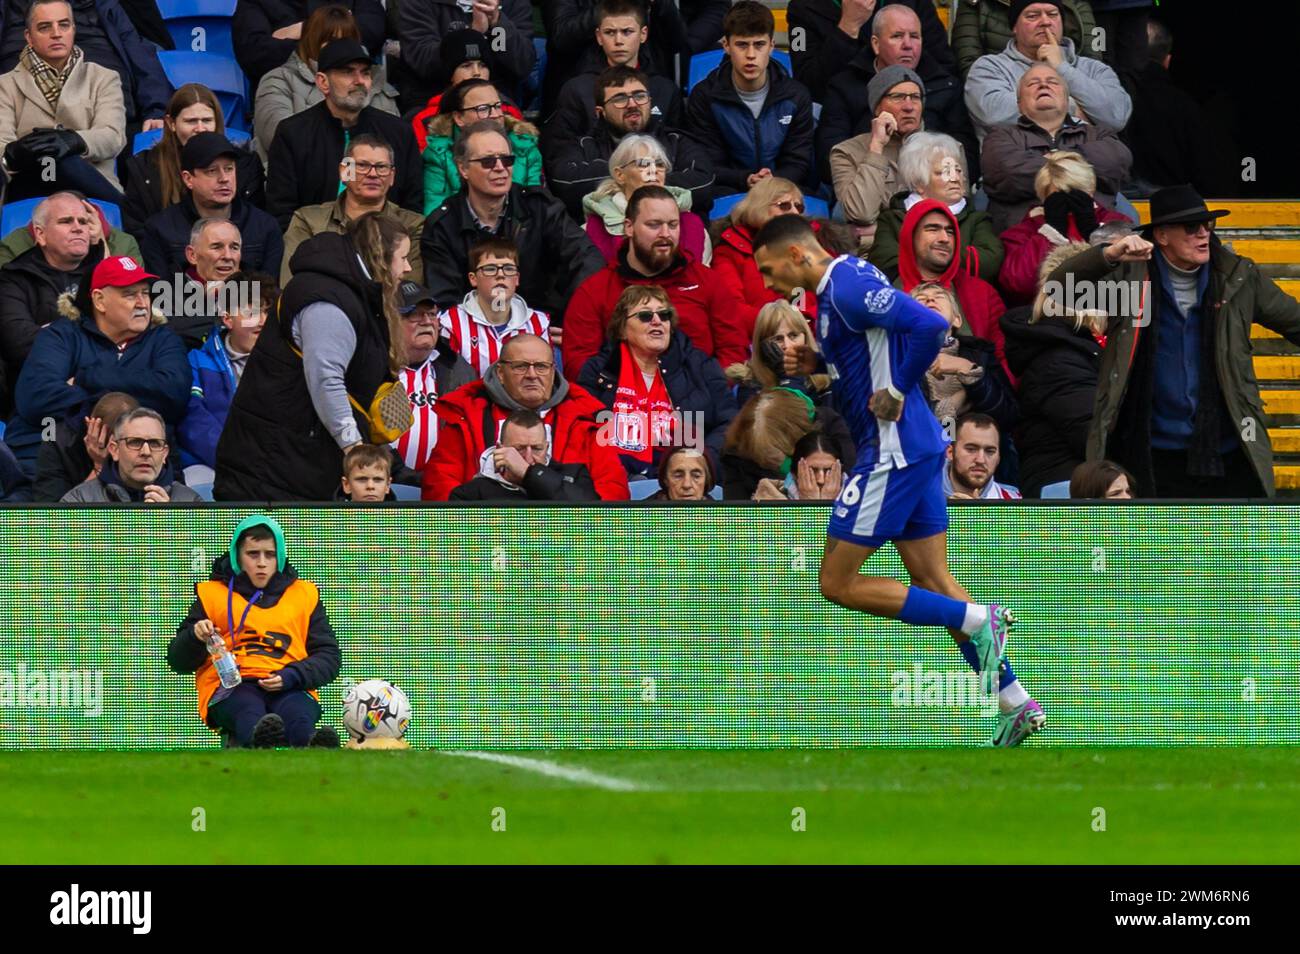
[[1287, 478], [1277, 367], [1285, 440], [1271, 213], [1268, 251]]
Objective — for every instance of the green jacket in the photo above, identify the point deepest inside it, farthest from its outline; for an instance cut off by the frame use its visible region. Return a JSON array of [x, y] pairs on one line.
[[976, 233], [983, 26], [442, 179], [21, 239], [1247, 298]]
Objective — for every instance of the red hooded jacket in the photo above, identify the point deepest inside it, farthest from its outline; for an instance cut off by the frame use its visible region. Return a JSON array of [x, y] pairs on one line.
[[708, 310], [420, 120], [981, 304], [574, 430]]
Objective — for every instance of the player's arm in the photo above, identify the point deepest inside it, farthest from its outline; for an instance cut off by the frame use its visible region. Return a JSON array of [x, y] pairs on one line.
[[186, 651]]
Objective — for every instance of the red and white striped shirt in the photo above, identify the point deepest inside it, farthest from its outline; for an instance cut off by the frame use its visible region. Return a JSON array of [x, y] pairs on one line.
[[476, 339], [415, 447]]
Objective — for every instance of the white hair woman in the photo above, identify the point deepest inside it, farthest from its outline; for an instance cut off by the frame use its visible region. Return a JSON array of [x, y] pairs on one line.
[[637, 161], [933, 166], [1068, 211]]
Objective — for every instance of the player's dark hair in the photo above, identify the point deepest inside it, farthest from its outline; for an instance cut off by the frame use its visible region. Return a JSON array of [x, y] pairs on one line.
[[617, 76], [646, 193], [784, 230], [1093, 478], [977, 420], [620, 8], [748, 18]]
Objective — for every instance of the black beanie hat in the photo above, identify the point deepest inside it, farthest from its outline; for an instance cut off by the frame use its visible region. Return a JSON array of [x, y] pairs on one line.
[[461, 46], [1018, 7]]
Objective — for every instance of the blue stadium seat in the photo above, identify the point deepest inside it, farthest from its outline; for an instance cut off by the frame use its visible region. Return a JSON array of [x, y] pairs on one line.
[[147, 140], [19, 213], [702, 64], [183, 17], [221, 74], [405, 492], [1057, 491]]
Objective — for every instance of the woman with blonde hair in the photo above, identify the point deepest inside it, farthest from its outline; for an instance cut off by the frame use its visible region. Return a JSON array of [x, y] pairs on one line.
[[637, 161], [933, 166], [1055, 352], [1066, 186], [784, 352], [323, 360], [761, 441], [153, 178], [733, 241]]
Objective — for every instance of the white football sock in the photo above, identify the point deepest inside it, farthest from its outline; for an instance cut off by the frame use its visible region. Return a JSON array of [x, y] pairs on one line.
[[1012, 697], [976, 616]]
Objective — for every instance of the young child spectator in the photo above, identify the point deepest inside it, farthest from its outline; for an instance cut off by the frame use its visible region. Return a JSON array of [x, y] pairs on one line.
[[367, 475], [753, 119], [283, 644], [493, 312], [219, 364]]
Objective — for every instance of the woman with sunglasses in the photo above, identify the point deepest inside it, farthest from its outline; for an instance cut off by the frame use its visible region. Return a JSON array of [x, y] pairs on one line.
[[733, 252], [662, 392], [637, 161], [463, 105]]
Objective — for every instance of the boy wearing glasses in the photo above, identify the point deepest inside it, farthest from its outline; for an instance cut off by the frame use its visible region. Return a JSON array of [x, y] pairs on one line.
[[493, 312], [137, 471], [753, 119]]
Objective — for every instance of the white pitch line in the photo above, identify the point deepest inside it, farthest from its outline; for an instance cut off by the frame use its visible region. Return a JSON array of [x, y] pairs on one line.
[[554, 770]]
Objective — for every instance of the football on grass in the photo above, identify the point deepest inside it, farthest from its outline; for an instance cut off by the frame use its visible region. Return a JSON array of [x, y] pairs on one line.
[[375, 709]]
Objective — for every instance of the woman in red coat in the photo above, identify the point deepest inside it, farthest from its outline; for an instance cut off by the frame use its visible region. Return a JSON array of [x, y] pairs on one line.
[[1069, 213]]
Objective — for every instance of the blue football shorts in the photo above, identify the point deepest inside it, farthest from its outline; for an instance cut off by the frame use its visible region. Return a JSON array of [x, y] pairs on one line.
[[882, 502]]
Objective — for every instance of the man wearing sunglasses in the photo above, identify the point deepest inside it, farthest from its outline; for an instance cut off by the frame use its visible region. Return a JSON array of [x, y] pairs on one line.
[[1177, 400], [578, 156], [138, 471], [554, 252]]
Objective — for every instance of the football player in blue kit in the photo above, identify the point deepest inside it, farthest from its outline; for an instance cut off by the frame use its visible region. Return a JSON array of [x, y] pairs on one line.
[[878, 344]]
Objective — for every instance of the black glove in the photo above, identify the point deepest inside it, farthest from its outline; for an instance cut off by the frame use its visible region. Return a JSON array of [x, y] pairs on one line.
[[19, 156], [772, 356], [1056, 209], [1084, 212], [54, 143]]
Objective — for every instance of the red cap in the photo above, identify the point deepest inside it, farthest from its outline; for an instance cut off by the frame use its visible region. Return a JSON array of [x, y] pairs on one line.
[[118, 271]]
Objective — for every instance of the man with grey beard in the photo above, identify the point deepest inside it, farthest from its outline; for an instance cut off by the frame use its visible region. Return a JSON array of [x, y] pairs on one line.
[[303, 163]]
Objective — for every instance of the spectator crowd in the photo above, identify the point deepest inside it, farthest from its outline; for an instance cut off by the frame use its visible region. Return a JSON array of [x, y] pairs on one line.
[[450, 261]]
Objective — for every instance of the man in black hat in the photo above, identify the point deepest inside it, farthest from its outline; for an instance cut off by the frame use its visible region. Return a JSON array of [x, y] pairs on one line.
[[1177, 399], [430, 371], [246, 238], [303, 162]]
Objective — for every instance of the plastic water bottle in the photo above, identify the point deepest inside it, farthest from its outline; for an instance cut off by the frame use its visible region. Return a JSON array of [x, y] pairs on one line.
[[227, 668]]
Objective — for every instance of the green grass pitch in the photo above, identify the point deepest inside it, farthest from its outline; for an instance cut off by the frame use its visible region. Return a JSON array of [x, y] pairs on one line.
[[1028, 806]]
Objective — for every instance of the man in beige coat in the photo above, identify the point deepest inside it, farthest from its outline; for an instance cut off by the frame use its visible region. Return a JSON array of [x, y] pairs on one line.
[[62, 119]]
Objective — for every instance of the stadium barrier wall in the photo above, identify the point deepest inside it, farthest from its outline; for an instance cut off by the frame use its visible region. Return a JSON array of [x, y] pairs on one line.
[[656, 627]]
